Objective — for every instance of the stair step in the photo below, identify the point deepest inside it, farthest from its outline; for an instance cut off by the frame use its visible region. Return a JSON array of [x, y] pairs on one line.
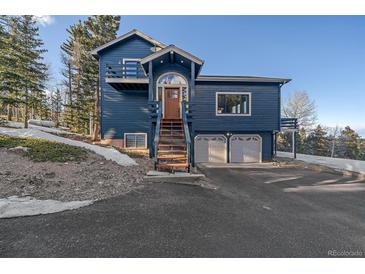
[[182, 158], [172, 145], [173, 165], [167, 151], [171, 135]]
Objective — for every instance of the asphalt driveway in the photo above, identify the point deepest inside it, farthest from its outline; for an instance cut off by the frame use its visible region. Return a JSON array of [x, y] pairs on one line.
[[270, 212]]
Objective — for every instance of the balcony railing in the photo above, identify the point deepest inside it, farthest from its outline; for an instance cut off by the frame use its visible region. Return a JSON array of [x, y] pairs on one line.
[[125, 71], [289, 123]]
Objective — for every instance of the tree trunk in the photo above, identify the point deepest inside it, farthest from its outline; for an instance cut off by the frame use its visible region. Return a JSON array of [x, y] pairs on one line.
[[97, 113], [17, 113], [10, 113], [26, 110]]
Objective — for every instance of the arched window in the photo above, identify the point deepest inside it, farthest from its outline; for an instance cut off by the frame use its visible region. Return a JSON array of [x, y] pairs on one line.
[[172, 79]]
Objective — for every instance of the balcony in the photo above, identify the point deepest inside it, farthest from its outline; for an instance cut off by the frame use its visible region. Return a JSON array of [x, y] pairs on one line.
[[126, 76]]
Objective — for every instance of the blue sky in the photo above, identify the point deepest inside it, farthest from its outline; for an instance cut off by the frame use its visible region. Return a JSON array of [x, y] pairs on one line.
[[324, 55]]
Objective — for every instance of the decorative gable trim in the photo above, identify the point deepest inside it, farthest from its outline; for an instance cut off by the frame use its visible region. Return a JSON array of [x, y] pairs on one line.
[[172, 48]]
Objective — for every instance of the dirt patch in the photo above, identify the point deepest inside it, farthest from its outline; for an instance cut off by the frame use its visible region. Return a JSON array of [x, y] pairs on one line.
[[91, 179]]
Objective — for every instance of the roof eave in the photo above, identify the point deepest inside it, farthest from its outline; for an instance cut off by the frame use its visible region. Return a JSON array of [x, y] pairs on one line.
[[95, 51], [243, 79]]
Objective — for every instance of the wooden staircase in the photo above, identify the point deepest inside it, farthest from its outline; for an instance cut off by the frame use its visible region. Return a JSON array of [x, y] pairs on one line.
[[172, 152]]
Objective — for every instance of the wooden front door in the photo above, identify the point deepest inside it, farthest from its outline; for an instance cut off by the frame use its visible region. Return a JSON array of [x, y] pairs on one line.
[[172, 103]]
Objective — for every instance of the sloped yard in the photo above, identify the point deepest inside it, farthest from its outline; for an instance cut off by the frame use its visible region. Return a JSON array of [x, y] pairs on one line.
[[50, 170]]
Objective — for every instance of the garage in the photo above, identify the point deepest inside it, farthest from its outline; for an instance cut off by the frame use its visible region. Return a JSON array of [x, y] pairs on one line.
[[245, 148], [210, 149]]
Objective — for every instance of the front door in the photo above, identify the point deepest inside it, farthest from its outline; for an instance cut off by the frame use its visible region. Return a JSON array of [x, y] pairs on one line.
[[172, 103]]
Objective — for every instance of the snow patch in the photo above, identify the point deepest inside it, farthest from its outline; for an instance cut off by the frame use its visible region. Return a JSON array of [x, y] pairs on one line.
[[336, 163], [27, 206], [107, 153]]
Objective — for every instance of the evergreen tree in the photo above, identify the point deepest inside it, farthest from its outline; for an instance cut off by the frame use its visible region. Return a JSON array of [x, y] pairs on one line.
[[22, 71], [56, 107], [9, 57], [349, 144], [302, 141], [318, 142], [81, 70]]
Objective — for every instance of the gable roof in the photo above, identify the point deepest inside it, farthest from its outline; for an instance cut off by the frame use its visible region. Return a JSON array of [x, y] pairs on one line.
[[242, 79], [125, 36], [173, 48]]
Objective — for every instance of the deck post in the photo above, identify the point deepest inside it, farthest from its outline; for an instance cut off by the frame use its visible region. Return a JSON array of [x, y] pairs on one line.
[[150, 83], [192, 81]]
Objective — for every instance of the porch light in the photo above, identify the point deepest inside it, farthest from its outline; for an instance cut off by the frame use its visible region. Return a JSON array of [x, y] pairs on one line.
[[182, 61], [161, 61]]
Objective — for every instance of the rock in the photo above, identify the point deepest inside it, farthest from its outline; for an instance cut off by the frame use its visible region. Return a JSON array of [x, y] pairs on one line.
[[7, 172], [19, 149], [50, 175], [35, 180]]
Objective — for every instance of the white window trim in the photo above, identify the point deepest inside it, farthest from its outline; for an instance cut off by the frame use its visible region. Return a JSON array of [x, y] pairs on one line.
[[245, 135], [135, 133], [131, 59], [234, 93]]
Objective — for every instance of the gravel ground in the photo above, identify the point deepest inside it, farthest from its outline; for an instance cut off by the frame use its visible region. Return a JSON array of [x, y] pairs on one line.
[[92, 179]]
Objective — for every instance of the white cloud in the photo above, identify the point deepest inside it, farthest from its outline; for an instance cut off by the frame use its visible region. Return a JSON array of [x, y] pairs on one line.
[[44, 20]]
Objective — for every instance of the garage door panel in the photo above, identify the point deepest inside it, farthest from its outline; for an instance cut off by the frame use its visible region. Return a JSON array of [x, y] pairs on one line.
[[210, 149], [245, 148]]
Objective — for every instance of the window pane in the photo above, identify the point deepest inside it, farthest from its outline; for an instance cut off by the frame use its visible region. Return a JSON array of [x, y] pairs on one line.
[[245, 109], [135, 141], [221, 103], [140, 140], [130, 141], [172, 79], [233, 104], [160, 93]]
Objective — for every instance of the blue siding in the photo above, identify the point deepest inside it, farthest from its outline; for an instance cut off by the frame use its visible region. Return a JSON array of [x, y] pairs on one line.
[[265, 115], [123, 111]]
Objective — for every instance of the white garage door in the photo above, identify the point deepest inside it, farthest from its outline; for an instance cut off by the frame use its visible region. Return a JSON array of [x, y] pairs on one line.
[[245, 148], [210, 149]]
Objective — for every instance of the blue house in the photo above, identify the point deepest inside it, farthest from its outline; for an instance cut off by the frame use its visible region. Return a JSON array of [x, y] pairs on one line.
[[153, 97]]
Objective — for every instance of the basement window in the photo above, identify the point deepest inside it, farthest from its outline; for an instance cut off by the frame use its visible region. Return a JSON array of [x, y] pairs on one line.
[[135, 140], [233, 104]]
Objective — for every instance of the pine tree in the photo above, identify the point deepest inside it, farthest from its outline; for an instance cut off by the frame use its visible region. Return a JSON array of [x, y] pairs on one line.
[[318, 142], [101, 29], [9, 57], [56, 107], [81, 69], [302, 141], [22, 71], [349, 144]]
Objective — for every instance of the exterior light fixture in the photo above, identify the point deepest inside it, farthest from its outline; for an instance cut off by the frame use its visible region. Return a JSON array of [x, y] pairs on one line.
[[161, 61]]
